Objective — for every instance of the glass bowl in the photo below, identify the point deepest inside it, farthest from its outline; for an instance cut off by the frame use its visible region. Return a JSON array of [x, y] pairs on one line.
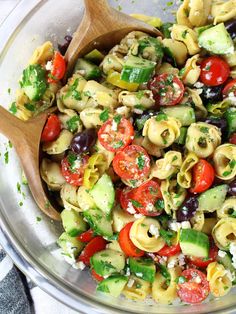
[[26, 234]]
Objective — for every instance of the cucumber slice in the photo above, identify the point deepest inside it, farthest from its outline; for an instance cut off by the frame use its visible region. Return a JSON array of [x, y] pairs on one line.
[[137, 70], [113, 285], [194, 243], [230, 116], [92, 71], [94, 56], [72, 222], [99, 222], [103, 194], [216, 40], [184, 114], [213, 199], [70, 246], [143, 268], [226, 261], [107, 262]]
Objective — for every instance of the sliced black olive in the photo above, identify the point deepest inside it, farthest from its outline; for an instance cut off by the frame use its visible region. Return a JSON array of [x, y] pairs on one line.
[[211, 93]]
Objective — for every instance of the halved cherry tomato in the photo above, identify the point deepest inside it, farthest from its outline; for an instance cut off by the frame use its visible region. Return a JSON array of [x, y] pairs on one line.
[[167, 89], [86, 236], [96, 276], [95, 245], [131, 163], [72, 168], [58, 68], [195, 289], [116, 134], [169, 250], [232, 139], [51, 129], [230, 87], [203, 176], [125, 199], [126, 244], [214, 71], [203, 263]]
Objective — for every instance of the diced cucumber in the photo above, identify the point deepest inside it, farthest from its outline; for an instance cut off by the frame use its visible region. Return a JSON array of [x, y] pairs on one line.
[[107, 262], [216, 40], [185, 114], [213, 199], [143, 268], [92, 71], [166, 29], [194, 243], [99, 222], [231, 120], [70, 246], [113, 285], [120, 218], [94, 56], [137, 70], [226, 261], [182, 137], [73, 222], [103, 194]]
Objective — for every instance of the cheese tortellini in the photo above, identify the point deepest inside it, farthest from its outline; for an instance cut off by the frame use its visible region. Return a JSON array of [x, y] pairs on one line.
[[69, 197], [184, 176], [51, 173], [139, 289], [225, 161], [228, 207], [202, 139], [224, 232], [167, 166], [197, 221], [94, 169], [143, 98], [187, 36], [60, 145], [191, 70], [163, 132], [223, 11], [219, 281]]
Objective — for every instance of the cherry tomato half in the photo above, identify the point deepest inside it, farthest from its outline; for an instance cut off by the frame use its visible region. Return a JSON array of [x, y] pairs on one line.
[[115, 135], [214, 71], [131, 163], [125, 199], [72, 168], [203, 176], [167, 89], [126, 244], [203, 263], [86, 236], [232, 139], [51, 129], [58, 68], [230, 87], [95, 245], [169, 250], [96, 276], [195, 289]]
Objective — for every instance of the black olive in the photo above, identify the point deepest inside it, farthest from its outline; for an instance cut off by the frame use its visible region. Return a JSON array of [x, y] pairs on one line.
[[211, 93], [232, 188], [140, 119], [220, 123], [187, 209], [231, 28], [62, 48], [82, 142]]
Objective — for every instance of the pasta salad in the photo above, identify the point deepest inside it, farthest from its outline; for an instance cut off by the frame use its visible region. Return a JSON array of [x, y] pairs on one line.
[[141, 155]]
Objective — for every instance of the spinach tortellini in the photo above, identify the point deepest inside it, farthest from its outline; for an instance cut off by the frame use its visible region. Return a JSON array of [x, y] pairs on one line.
[[202, 139], [163, 132], [225, 161], [224, 232], [218, 278]]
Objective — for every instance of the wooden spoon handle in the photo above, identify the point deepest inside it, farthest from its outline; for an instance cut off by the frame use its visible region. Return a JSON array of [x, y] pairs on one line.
[[92, 6]]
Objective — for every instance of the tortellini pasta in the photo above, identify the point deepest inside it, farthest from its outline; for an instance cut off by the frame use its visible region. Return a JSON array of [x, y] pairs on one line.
[[163, 293], [224, 159], [143, 99], [191, 71], [218, 109], [223, 11], [139, 289], [219, 281], [187, 36], [120, 218], [84, 200], [112, 62], [230, 59], [151, 148], [107, 154], [51, 173], [60, 145], [178, 50], [228, 207], [142, 238], [162, 133], [182, 14], [167, 68], [197, 221], [167, 166], [42, 54], [91, 117], [184, 176], [193, 97], [69, 197], [209, 224], [95, 168], [202, 139], [71, 122], [224, 232]]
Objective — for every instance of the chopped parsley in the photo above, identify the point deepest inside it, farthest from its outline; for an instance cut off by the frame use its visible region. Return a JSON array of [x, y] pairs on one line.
[[204, 129], [21, 204], [165, 274], [38, 219], [161, 116], [227, 173], [141, 161], [180, 279], [117, 118], [167, 235], [13, 108], [159, 205], [6, 157], [72, 123], [71, 158], [136, 203], [30, 107], [104, 116], [118, 144], [182, 71], [18, 186], [72, 92], [184, 33], [232, 164]]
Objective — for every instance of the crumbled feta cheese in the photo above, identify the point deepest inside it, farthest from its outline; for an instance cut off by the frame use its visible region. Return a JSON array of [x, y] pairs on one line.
[[114, 126], [198, 279], [150, 207], [139, 275], [128, 272], [163, 260], [172, 263], [199, 90], [230, 275], [121, 110], [137, 216], [48, 66], [231, 97], [105, 276], [154, 230], [130, 283], [198, 85], [130, 209], [221, 253], [138, 111], [81, 72], [181, 259], [81, 265], [185, 225], [168, 167], [175, 226]]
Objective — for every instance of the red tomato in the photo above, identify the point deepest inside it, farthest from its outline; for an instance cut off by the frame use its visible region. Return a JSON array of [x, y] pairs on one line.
[[203, 176], [232, 139], [126, 244], [51, 129], [230, 87], [58, 68], [86, 236], [95, 245], [73, 173], [169, 250], [118, 137], [131, 163], [203, 263], [195, 289], [125, 199], [96, 276], [214, 71], [167, 89]]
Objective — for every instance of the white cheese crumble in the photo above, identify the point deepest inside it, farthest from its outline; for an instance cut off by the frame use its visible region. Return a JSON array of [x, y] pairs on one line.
[[81, 265], [130, 283], [130, 209], [139, 274], [181, 259], [154, 231], [138, 111], [137, 216], [198, 279], [174, 225], [221, 253], [185, 225], [232, 249], [106, 276], [198, 85], [114, 126], [127, 272], [230, 275], [150, 207], [48, 66], [172, 263], [163, 260], [232, 97]]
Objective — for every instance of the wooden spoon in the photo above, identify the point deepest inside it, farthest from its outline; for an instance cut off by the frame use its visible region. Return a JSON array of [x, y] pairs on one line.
[[25, 137], [102, 27]]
